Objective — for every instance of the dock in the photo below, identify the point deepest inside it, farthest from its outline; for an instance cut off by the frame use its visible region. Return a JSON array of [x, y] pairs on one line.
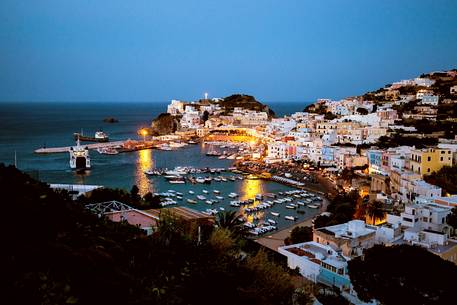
[[64, 149]]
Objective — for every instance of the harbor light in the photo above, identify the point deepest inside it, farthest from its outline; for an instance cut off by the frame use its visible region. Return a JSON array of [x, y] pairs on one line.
[[144, 133]]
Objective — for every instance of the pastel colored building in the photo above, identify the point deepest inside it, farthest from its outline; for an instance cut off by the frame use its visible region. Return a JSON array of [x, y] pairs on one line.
[[429, 160]]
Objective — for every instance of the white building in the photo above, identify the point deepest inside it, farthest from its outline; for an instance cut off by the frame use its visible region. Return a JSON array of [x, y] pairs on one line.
[[190, 118], [430, 100], [176, 107]]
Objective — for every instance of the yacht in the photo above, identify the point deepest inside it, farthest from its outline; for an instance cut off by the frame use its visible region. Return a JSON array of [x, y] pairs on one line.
[[79, 156]]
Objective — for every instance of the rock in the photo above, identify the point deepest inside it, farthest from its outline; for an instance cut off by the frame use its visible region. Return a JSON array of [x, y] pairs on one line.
[[164, 124], [110, 120]]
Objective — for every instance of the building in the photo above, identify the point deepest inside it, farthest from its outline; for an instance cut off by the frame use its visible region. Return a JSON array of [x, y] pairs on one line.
[[430, 100], [176, 107], [429, 160], [318, 263], [375, 161], [350, 238]]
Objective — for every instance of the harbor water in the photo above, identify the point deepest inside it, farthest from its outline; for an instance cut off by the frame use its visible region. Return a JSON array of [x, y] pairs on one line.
[[28, 126]]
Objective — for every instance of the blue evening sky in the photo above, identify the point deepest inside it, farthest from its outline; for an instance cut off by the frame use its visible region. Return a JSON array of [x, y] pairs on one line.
[[154, 50]]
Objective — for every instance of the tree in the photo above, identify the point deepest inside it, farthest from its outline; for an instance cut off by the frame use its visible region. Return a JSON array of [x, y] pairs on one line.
[[229, 220], [299, 235], [205, 116], [403, 274], [445, 178], [362, 111], [375, 211]]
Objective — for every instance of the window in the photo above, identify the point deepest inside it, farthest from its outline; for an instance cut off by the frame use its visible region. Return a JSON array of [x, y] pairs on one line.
[[428, 170], [429, 159], [407, 219], [441, 158]]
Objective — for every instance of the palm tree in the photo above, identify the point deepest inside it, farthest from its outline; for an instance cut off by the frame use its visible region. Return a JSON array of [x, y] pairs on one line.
[[375, 211], [229, 220]]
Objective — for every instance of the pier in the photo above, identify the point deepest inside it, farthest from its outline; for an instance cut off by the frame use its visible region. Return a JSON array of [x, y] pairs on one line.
[[65, 149]]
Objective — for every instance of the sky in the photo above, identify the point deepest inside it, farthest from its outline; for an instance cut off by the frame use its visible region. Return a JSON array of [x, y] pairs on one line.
[[154, 50]]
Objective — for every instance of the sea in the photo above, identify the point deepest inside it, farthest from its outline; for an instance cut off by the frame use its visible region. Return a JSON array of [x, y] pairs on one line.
[[26, 126]]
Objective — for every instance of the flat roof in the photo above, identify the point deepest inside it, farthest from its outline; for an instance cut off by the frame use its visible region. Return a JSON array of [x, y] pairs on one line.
[[182, 212]]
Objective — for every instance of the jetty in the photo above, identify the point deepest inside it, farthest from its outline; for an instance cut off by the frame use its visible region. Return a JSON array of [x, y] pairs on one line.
[[64, 149]]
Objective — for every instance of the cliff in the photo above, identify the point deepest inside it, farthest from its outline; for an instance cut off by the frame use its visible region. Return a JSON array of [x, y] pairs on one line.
[[164, 124]]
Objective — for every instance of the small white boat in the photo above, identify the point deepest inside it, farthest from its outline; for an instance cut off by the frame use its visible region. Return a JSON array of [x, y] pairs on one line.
[[274, 214], [205, 191], [220, 197], [209, 202], [271, 221], [216, 192], [177, 181], [290, 218], [222, 209], [313, 206], [233, 195], [191, 192], [191, 201], [201, 197], [290, 207]]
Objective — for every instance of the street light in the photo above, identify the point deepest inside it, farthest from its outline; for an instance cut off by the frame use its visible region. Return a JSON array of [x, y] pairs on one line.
[[144, 133]]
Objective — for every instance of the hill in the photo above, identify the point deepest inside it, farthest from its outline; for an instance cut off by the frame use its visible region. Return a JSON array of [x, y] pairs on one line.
[[244, 101]]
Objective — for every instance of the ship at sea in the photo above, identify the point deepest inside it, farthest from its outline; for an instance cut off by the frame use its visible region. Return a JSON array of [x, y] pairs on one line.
[[100, 136], [79, 156]]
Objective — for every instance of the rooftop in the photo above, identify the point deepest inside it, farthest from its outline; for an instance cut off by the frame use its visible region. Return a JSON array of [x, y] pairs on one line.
[[351, 229]]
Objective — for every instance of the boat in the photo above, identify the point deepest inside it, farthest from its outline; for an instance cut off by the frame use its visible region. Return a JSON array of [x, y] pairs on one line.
[[222, 209], [200, 180], [177, 181], [222, 157], [191, 192], [79, 156], [274, 214], [201, 197], [220, 197], [233, 195], [213, 153], [99, 136], [216, 192], [107, 151], [271, 221], [290, 207], [301, 203], [205, 191], [231, 157], [290, 218], [192, 201], [192, 142], [313, 206], [152, 172]]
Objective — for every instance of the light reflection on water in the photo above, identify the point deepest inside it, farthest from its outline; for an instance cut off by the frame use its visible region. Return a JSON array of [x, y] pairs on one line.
[[144, 162], [249, 188]]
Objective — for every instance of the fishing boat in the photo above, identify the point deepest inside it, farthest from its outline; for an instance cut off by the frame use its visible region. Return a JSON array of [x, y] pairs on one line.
[[79, 156], [275, 214], [290, 218], [192, 201]]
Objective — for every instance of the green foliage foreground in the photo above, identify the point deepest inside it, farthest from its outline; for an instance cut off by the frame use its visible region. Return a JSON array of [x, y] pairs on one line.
[[55, 252]]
